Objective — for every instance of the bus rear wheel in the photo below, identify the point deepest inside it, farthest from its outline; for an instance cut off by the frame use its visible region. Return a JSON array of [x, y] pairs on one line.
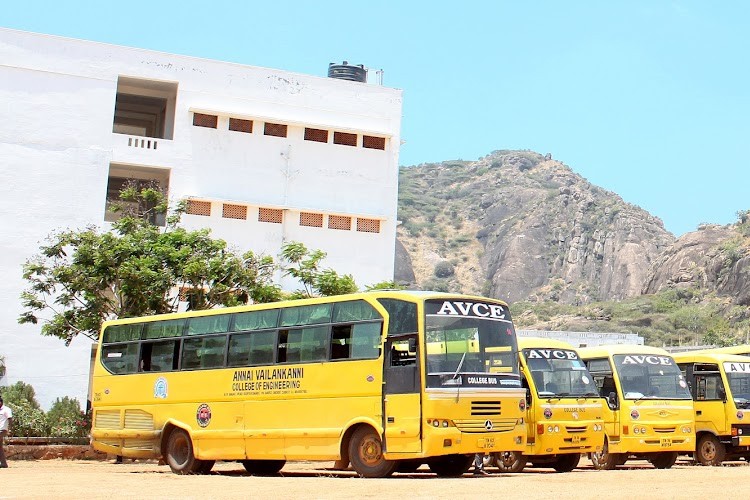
[[566, 463], [663, 460], [263, 467], [510, 461], [710, 451], [366, 454], [180, 456], [451, 465]]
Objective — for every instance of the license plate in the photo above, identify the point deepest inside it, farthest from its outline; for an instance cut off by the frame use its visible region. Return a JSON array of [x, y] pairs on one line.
[[575, 439], [486, 444], [666, 443]]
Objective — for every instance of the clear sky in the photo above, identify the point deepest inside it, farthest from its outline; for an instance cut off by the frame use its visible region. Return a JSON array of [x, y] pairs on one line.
[[646, 98]]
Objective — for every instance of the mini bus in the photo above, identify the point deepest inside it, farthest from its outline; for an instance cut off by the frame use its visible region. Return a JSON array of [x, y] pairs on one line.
[[564, 410], [720, 386], [739, 350], [648, 410], [347, 378]]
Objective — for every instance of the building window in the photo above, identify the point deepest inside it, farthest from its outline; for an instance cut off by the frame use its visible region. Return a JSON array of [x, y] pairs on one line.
[[340, 222], [124, 176], [345, 139], [208, 121], [368, 225], [274, 129], [144, 108], [231, 211], [196, 207], [272, 215], [316, 134], [239, 125], [371, 142], [310, 219]]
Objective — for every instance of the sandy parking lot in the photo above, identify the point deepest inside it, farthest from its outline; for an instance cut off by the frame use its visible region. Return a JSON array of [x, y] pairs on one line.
[[93, 479]]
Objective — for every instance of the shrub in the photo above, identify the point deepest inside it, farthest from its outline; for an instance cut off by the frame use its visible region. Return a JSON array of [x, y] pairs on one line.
[[65, 419], [444, 269]]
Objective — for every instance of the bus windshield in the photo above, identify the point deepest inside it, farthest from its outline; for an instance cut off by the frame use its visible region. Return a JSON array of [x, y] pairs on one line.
[[738, 375], [559, 372], [651, 377], [470, 344]]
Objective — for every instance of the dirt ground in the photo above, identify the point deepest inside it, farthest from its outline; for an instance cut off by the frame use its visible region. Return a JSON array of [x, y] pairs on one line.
[[147, 480]]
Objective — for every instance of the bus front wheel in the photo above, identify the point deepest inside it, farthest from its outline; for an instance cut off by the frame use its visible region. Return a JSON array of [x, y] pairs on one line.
[[366, 454], [510, 461], [180, 455], [604, 460], [663, 460], [710, 451]]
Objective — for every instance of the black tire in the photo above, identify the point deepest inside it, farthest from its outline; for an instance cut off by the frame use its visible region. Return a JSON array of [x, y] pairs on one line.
[[180, 457], [263, 467], [604, 460], [510, 461], [206, 466], [710, 451], [566, 463], [451, 465], [366, 454], [663, 460]]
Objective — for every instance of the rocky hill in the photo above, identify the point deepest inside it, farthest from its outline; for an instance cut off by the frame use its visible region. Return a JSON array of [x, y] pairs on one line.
[[524, 227], [518, 225]]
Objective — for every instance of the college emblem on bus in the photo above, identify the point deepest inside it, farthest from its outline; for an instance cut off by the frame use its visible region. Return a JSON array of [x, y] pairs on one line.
[[203, 415], [634, 414], [548, 413], [740, 415], [160, 388]]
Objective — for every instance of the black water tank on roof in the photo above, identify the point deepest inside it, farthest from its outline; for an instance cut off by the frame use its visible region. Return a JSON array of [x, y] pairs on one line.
[[353, 73]]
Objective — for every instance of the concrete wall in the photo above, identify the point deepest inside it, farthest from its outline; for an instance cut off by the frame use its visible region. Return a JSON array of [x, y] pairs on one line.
[[57, 98]]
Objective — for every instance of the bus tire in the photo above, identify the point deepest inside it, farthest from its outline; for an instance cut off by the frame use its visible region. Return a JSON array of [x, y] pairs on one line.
[[180, 457], [604, 460], [664, 459], [566, 463], [510, 461], [710, 451], [263, 467], [366, 454], [451, 465]]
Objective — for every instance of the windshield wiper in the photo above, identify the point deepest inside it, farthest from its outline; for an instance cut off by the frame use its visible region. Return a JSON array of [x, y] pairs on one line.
[[460, 364]]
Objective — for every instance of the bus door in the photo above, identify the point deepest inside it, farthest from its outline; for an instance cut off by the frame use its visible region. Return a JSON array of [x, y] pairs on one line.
[[402, 412], [710, 402], [610, 405]]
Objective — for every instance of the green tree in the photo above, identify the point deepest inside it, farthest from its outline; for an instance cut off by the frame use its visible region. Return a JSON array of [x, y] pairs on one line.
[[65, 419], [305, 265], [81, 278], [28, 417]]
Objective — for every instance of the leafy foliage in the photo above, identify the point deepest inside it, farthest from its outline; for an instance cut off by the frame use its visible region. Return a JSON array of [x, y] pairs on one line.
[[28, 417], [85, 277], [65, 419], [305, 265]]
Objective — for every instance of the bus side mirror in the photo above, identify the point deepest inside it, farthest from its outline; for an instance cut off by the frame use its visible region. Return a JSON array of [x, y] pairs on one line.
[[722, 394], [612, 400]]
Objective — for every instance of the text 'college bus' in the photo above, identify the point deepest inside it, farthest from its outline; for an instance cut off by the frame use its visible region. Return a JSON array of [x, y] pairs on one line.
[[648, 411], [720, 386], [345, 378]]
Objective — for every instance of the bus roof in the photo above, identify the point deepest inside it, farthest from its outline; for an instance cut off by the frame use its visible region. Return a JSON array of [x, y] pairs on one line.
[[602, 351], [376, 294], [743, 350], [708, 357], [543, 343]]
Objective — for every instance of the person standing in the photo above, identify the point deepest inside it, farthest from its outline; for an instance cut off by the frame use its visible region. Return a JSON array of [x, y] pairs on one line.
[[6, 421]]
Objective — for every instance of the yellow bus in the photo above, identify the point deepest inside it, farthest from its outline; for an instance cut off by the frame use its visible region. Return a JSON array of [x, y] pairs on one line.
[[720, 385], [564, 411], [648, 410], [740, 350], [344, 378]]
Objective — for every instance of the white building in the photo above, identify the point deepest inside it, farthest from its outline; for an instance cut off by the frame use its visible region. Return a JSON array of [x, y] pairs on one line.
[[585, 339], [265, 156]]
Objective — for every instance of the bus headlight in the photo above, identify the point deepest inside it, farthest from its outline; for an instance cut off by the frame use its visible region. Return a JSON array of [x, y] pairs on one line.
[[557, 428], [643, 430], [636, 430], [597, 427], [550, 429], [687, 429]]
